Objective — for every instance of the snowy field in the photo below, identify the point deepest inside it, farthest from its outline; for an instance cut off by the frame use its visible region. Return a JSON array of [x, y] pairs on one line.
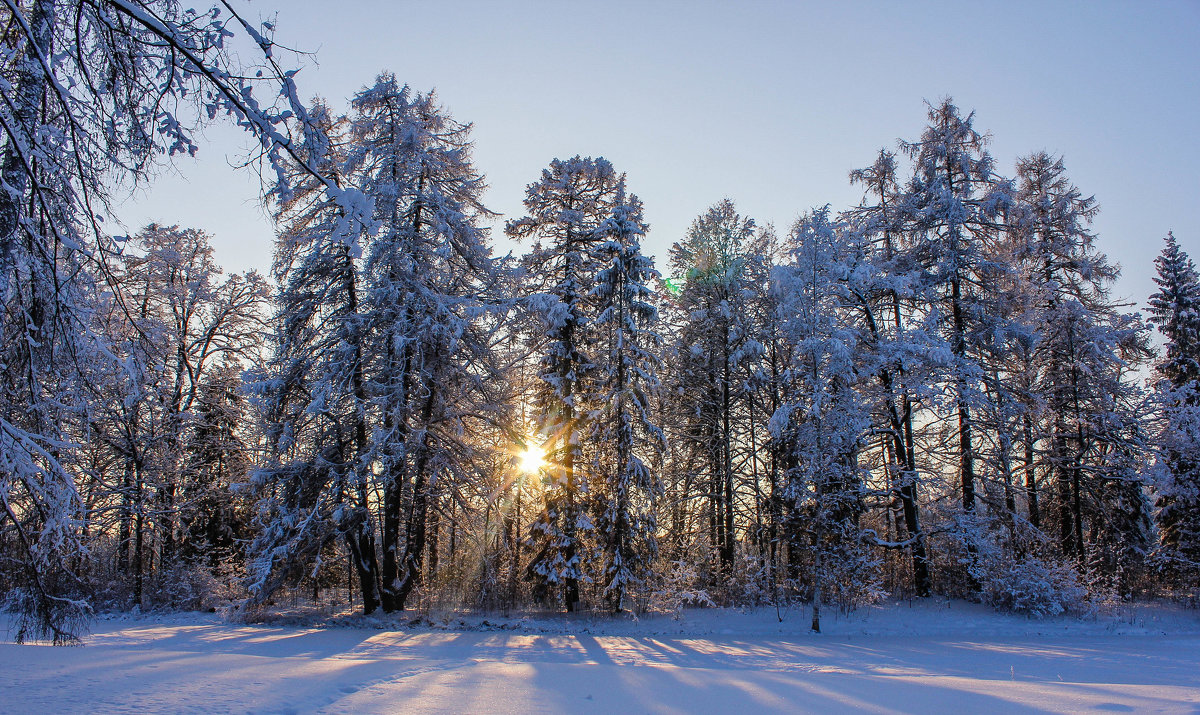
[[936, 657]]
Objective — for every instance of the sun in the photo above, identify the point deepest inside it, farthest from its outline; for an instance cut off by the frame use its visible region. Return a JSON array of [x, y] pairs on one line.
[[532, 459]]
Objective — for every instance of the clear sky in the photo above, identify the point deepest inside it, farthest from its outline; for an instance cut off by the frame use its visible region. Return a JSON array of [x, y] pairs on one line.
[[768, 103]]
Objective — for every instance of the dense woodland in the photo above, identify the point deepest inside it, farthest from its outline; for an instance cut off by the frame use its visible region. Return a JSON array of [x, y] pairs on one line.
[[931, 392]]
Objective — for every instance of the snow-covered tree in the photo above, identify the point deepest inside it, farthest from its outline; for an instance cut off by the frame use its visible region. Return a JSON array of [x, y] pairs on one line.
[[313, 392], [176, 322], [383, 353], [1083, 348], [896, 334], [720, 263], [951, 202], [1175, 309], [565, 210], [824, 421], [96, 92], [215, 515], [1177, 478], [428, 274], [626, 379]]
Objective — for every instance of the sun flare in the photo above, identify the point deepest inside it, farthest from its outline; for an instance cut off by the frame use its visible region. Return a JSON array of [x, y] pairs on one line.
[[532, 459]]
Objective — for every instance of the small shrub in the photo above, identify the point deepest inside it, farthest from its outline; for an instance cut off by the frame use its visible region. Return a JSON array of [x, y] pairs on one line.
[[680, 587], [1031, 586]]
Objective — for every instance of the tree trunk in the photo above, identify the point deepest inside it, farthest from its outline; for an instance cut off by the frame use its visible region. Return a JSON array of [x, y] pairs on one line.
[[415, 529], [390, 566], [817, 579], [362, 554], [1031, 490], [727, 542], [360, 536], [1066, 525]]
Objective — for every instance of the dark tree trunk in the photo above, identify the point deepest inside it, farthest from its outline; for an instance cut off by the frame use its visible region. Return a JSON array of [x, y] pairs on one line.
[[1066, 523], [359, 536], [1031, 490], [415, 529], [362, 554], [390, 569]]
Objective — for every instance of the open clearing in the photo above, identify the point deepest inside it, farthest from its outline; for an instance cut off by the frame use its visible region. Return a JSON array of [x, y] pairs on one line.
[[711, 661]]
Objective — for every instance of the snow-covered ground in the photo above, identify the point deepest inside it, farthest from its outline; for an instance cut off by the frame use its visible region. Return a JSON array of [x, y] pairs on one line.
[[931, 657]]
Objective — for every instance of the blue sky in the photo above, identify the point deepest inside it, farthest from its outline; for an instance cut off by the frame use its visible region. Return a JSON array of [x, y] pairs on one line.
[[768, 103]]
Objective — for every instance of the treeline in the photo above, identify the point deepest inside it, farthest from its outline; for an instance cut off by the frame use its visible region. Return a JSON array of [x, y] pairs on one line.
[[931, 392]]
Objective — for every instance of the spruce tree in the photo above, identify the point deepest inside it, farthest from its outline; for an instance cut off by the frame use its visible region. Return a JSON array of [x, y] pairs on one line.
[[565, 210], [1175, 309], [624, 432]]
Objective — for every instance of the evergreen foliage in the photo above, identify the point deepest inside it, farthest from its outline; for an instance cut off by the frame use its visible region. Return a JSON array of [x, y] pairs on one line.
[[1175, 309]]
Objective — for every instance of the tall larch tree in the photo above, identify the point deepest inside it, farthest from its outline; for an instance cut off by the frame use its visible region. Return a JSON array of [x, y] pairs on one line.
[[313, 390], [896, 334], [1084, 347], [715, 342], [951, 202], [428, 273]]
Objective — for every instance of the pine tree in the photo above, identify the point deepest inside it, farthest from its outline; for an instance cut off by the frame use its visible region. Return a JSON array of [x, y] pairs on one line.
[[565, 209], [626, 379]]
